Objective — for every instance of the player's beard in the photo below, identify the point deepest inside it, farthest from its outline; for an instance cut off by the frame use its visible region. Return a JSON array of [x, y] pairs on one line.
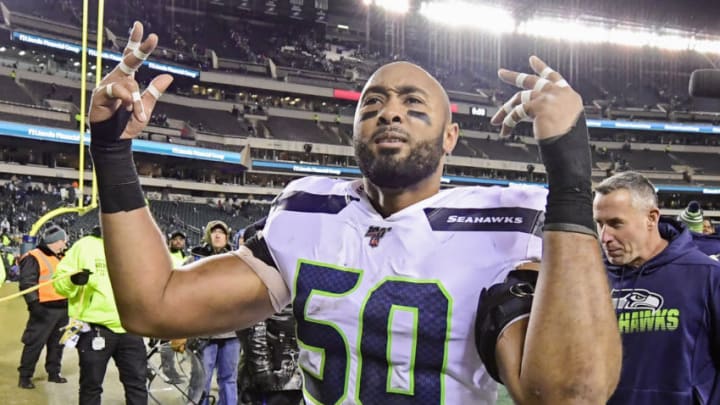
[[387, 171]]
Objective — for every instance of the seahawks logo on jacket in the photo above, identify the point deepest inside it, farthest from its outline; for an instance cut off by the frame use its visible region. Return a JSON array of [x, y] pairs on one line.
[[636, 298], [641, 310]]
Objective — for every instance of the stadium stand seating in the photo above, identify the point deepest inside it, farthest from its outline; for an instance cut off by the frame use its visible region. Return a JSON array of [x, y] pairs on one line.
[[299, 130], [12, 91]]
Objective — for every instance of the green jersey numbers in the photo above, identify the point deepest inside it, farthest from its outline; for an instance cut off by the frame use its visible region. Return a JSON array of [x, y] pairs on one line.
[[401, 332]]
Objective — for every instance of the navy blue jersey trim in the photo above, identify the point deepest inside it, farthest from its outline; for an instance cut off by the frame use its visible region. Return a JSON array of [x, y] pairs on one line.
[[507, 219], [301, 201]]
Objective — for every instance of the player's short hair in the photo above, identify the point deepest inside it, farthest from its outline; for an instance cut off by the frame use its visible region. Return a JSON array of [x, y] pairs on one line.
[[640, 187]]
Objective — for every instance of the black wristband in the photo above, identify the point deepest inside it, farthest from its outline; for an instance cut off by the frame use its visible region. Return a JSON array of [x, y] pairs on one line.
[[118, 183], [568, 166]]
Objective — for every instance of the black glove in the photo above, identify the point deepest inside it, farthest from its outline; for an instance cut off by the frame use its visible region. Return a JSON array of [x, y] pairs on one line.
[[37, 309], [81, 278]]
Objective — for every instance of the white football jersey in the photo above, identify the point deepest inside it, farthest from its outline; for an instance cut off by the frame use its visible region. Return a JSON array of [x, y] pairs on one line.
[[386, 307]]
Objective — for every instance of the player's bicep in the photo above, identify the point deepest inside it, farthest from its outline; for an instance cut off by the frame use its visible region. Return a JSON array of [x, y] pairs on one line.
[[223, 293]]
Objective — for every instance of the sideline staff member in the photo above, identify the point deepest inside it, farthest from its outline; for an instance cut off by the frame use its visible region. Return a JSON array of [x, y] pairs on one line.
[[48, 309], [667, 296], [91, 301]]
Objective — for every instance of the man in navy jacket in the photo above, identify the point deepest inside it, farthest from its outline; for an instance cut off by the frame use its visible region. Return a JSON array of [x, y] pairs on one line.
[[667, 297]]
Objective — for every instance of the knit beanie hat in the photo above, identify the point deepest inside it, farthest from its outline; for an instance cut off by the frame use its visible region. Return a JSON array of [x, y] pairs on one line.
[[212, 225], [55, 233], [692, 216]]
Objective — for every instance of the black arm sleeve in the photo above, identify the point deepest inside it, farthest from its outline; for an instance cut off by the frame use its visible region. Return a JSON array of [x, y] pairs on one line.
[[499, 306], [29, 277]]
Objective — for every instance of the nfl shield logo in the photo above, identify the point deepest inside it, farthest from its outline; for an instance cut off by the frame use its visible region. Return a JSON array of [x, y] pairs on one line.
[[375, 233]]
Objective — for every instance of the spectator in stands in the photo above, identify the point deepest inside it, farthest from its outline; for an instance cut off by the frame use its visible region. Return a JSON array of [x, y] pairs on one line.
[[222, 351], [176, 244], [5, 239], [708, 227], [4, 226], [92, 302], [667, 297], [48, 309], [692, 217]]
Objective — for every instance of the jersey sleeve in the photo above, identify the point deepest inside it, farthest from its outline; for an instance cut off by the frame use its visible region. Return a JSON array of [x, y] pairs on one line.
[[526, 246], [292, 211]]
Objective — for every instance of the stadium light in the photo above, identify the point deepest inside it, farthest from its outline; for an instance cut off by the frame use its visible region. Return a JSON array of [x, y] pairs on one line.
[[592, 32], [487, 18], [394, 6]]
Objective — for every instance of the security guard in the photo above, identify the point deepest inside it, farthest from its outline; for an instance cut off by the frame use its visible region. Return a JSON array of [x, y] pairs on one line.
[[91, 300], [176, 244], [48, 309]]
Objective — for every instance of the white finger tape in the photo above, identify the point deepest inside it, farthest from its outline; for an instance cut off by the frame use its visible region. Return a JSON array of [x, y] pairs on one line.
[[154, 91], [132, 45], [136, 96], [521, 113], [509, 121], [109, 90], [540, 84], [125, 68], [562, 83], [525, 96], [140, 54], [546, 72], [520, 79], [508, 107]]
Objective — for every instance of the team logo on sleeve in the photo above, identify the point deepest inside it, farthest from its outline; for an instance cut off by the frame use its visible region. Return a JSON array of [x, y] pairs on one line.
[[375, 233]]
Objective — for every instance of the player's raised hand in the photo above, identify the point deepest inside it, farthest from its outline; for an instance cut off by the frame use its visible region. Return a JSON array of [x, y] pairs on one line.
[[546, 99], [118, 89]]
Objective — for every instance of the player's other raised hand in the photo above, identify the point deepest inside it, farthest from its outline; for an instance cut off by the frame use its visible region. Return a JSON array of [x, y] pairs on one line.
[[546, 99], [118, 89]]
